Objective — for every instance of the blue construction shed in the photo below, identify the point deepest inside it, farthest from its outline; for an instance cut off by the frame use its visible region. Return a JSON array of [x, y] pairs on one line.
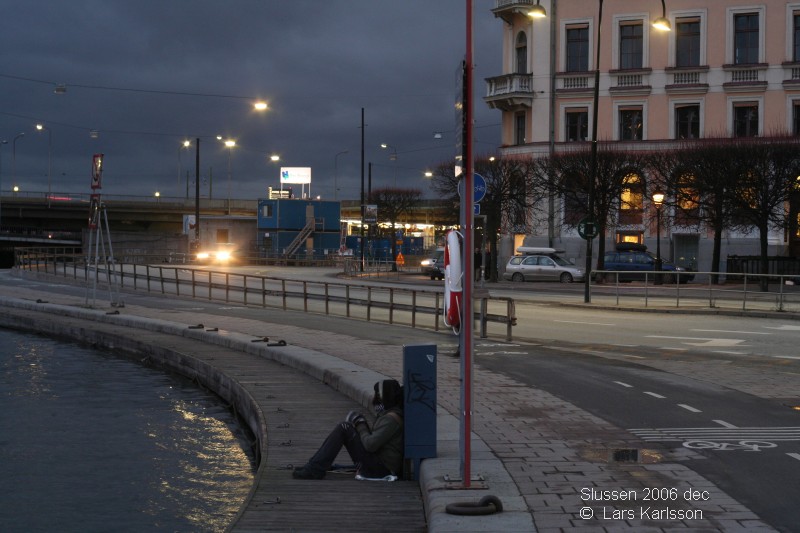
[[291, 227]]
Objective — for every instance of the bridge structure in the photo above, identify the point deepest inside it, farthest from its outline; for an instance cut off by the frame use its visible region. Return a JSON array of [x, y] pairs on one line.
[[60, 219]]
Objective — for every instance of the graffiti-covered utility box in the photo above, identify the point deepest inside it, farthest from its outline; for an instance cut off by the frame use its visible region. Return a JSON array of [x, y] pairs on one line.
[[419, 387]]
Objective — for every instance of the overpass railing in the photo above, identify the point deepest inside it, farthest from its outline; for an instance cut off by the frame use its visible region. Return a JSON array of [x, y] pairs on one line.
[[423, 308]]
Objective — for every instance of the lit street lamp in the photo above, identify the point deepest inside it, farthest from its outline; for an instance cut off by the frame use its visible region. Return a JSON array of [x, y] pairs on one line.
[[41, 127], [658, 201], [392, 157], [1, 169], [229, 144], [184, 145]]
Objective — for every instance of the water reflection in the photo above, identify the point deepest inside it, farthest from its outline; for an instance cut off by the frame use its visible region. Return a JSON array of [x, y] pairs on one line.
[[91, 442]]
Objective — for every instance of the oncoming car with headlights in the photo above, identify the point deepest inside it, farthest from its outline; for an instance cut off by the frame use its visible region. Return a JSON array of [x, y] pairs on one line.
[[222, 254], [541, 264]]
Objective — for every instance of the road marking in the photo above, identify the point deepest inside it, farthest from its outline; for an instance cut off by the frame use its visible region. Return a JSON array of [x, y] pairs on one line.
[[654, 395], [624, 384], [702, 341], [725, 424], [785, 327], [675, 349], [726, 331], [786, 356], [728, 352], [585, 323], [626, 345], [794, 455], [689, 408], [719, 434], [633, 356]]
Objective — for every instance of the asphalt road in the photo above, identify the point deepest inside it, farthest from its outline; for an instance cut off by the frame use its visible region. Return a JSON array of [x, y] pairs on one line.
[[748, 446]]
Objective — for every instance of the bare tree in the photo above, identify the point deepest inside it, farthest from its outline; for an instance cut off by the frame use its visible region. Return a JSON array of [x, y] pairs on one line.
[[394, 203], [511, 193], [767, 175], [616, 171]]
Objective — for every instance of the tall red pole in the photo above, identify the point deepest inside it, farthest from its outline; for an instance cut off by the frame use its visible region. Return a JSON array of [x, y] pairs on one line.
[[467, 216]]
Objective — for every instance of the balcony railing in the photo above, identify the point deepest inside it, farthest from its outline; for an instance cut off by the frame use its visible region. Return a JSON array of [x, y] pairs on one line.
[[509, 91], [745, 77]]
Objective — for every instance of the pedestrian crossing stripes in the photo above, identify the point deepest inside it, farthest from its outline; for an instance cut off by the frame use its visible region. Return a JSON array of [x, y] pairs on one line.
[[718, 434]]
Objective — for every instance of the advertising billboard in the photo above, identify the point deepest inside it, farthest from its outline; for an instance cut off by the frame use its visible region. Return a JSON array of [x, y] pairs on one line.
[[296, 175]]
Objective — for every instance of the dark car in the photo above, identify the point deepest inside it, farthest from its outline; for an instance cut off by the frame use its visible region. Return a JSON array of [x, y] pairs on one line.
[[635, 263], [434, 266]]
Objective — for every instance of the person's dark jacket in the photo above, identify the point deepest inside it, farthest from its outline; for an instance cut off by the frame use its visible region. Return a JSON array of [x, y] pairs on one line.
[[386, 438]]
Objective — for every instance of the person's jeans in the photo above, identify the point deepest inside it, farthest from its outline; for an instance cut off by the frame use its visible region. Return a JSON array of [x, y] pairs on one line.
[[345, 434]]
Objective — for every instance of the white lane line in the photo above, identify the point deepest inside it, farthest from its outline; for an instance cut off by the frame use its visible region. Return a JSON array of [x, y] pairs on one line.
[[654, 395], [624, 384], [633, 356], [786, 356], [586, 323], [674, 349], [689, 408], [626, 345], [725, 424], [727, 331], [727, 352], [784, 327], [794, 455]]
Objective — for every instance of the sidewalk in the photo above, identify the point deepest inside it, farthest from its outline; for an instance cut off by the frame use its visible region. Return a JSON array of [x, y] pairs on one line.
[[531, 450]]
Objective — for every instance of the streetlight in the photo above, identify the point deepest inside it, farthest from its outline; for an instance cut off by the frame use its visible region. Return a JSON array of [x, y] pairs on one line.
[[184, 145], [658, 201], [229, 144], [660, 23], [537, 11], [336, 174], [41, 127], [392, 157], [14, 157]]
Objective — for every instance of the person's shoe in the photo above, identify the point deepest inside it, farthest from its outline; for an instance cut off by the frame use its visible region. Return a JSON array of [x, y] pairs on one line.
[[304, 472]]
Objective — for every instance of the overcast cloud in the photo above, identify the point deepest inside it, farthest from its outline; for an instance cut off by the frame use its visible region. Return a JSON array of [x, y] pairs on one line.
[[316, 62]]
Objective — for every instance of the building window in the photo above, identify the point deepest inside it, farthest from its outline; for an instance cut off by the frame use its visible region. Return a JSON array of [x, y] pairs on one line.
[[796, 118], [631, 37], [796, 36], [631, 201], [745, 119], [519, 128], [578, 48], [688, 201], [576, 125], [522, 53], [222, 236], [687, 42], [266, 211], [687, 121], [631, 124], [746, 38]]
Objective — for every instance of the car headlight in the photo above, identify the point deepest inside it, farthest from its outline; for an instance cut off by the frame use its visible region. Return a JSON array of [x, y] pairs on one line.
[[425, 262], [202, 255], [223, 255]]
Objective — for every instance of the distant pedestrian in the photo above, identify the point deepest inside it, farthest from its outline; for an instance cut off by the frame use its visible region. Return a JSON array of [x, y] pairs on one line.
[[478, 263]]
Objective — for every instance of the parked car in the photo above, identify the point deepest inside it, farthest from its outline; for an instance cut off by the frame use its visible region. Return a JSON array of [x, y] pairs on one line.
[[636, 263], [434, 266], [542, 266]]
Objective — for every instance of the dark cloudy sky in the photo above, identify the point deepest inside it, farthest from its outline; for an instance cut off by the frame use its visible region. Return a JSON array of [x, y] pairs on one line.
[[139, 72]]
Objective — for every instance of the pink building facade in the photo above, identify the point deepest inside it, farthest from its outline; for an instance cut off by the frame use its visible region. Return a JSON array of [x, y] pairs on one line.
[[726, 69]]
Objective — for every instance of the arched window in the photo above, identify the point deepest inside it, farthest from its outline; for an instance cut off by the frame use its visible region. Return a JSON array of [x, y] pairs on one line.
[[631, 201], [522, 53]]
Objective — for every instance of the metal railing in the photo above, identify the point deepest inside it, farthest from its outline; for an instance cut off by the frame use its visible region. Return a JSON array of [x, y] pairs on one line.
[[679, 289], [393, 305]]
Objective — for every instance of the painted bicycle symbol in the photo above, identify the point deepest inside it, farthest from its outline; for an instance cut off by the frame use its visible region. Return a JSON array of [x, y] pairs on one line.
[[742, 445]]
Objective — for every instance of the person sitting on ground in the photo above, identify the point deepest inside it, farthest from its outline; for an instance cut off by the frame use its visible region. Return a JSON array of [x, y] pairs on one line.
[[377, 452]]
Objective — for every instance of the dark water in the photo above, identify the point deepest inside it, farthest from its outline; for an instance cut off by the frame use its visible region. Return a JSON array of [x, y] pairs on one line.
[[91, 442]]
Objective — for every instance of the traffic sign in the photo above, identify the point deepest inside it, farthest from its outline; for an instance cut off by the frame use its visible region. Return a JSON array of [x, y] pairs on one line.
[[587, 229], [479, 187]]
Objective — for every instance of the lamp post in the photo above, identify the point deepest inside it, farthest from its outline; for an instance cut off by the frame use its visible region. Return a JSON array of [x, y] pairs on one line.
[[660, 23], [392, 157], [184, 145], [229, 144], [41, 127], [336, 174], [658, 201]]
